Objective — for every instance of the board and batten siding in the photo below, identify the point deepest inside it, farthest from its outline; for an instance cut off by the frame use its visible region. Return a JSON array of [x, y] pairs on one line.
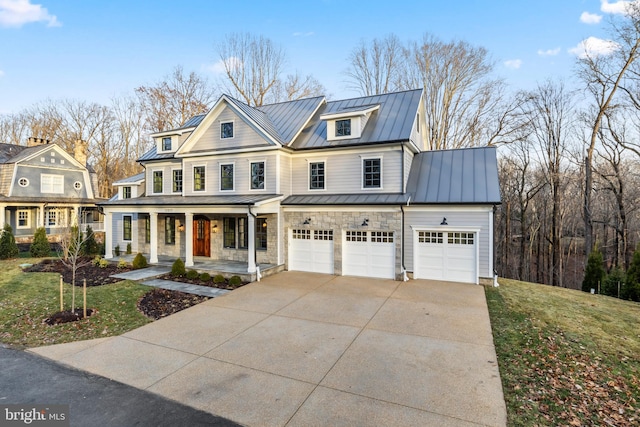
[[343, 172], [476, 217], [243, 134]]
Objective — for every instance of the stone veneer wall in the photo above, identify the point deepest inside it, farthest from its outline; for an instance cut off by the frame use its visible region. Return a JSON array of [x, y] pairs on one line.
[[270, 256], [343, 221]]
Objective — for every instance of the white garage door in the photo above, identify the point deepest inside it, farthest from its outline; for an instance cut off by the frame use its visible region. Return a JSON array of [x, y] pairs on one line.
[[369, 253], [311, 250], [446, 255]]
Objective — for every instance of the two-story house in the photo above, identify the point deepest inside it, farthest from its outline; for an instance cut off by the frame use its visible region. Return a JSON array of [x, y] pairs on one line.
[[41, 185], [341, 187]]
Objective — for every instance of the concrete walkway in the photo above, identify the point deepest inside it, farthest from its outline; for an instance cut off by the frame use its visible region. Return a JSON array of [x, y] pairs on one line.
[[302, 349]]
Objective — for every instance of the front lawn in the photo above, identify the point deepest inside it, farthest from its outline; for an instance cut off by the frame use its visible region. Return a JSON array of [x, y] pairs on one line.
[[26, 299], [566, 357]]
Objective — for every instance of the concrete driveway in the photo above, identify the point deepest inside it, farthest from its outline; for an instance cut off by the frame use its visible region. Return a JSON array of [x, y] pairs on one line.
[[303, 349]]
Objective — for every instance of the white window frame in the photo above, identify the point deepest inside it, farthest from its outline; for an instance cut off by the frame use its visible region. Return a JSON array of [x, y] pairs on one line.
[[264, 169], [25, 180], [60, 218], [162, 149], [362, 159], [28, 218], [220, 176], [309, 162], [182, 180], [50, 187], [193, 178], [233, 128], [77, 185]]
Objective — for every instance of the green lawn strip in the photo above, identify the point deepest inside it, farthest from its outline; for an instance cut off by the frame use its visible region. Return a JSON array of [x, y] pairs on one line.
[[566, 357], [26, 299]]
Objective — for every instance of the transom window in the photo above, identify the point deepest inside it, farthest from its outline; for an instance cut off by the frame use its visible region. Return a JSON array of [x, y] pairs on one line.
[[460, 238], [257, 176], [316, 176], [430, 237], [177, 180], [343, 127], [198, 178], [170, 230], [226, 177], [126, 227], [371, 173], [24, 219], [226, 130], [52, 184], [157, 181], [126, 192], [356, 236], [166, 143]]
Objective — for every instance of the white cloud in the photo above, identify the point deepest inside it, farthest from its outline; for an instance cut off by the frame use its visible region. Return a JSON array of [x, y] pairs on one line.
[[514, 64], [618, 8], [590, 18], [1, 73], [219, 67], [594, 46], [302, 34], [16, 13], [549, 52]]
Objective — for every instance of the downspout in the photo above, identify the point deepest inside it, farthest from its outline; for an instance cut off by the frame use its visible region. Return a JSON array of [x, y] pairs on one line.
[[404, 269], [255, 251]]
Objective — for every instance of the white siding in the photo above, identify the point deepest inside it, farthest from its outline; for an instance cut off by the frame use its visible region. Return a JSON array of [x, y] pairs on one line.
[[167, 176], [117, 232], [408, 159], [285, 175], [456, 217], [243, 134], [343, 172]]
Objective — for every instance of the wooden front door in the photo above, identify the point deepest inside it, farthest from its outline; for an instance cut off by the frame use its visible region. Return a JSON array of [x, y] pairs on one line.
[[201, 237]]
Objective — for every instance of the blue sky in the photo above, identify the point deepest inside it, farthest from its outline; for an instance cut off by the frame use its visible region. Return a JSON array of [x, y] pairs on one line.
[[94, 50]]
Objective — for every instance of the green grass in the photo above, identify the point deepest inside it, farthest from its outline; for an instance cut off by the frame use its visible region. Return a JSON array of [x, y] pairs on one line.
[[566, 357], [26, 299]]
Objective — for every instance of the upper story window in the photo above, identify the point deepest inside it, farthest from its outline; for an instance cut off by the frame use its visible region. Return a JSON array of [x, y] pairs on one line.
[[126, 192], [316, 176], [166, 143], [226, 177], [372, 173], [343, 127], [198, 178], [157, 181], [52, 184], [23, 182], [177, 181], [257, 176], [77, 185], [226, 130]]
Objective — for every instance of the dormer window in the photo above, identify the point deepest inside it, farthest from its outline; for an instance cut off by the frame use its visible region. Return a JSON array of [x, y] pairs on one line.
[[343, 127], [166, 143], [226, 130]]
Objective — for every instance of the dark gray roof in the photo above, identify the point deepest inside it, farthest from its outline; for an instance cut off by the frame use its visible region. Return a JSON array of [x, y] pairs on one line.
[[193, 200], [393, 121], [153, 155], [289, 117], [464, 176], [347, 199], [9, 151], [193, 121], [130, 179], [51, 200], [258, 117]]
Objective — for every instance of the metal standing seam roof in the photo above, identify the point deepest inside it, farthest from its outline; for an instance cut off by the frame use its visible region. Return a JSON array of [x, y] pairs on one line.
[[289, 117], [461, 176], [192, 200], [347, 199], [258, 117], [135, 178]]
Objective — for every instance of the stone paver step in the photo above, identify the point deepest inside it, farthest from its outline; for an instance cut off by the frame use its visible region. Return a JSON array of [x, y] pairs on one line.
[[186, 287]]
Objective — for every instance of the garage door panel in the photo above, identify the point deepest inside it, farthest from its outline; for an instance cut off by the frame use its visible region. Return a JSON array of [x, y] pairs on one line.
[[369, 254], [311, 250], [446, 255]]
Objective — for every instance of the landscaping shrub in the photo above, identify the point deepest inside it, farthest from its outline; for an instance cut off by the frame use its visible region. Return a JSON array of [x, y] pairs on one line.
[[219, 278], [594, 273], [235, 281], [116, 250], [139, 261], [91, 246], [122, 264], [8, 246], [96, 261], [177, 269], [103, 263], [40, 246], [192, 275], [631, 288], [205, 277], [128, 248], [610, 283]]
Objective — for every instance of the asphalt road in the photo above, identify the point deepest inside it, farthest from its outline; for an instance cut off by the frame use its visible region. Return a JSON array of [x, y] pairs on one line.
[[93, 400]]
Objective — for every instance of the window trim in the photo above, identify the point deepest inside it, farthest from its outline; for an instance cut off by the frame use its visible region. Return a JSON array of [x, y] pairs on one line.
[[362, 172], [124, 228], [169, 231], [173, 180], [233, 129], [344, 135], [259, 233], [28, 219], [124, 192], [58, 214], [229, 220], [163, 140], [53, 178], [147, 229], [77, 185], [23, 182], [204, 178], [264, 175], [324, 175], [233, 177], [153, 181]]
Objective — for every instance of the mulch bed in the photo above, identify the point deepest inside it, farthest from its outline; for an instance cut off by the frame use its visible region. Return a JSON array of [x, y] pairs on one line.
[[159, 303], [209, 283], [95, 275], [67, 316]]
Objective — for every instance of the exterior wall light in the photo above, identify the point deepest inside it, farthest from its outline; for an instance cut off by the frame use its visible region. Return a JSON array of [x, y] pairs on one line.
[[365, 222], [444, 221], [307, 221]]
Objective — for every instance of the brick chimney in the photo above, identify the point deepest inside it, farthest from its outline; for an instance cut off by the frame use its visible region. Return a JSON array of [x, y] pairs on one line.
[[80, 152], [33, 141]]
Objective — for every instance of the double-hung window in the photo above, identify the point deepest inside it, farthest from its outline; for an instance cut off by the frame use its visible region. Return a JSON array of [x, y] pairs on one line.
[[261, 234], [198, 178], [170, 230], [229, 233], [126, 227], [316, 176], [177, 180], [24, 219], [371, 173], [147, 229], [126, 192], [257, 176], [166, 143], [157, 182], [226, 177], [52, 184], [343, 127]]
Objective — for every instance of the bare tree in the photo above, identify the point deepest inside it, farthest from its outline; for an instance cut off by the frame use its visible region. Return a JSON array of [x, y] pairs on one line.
[[295, 87], [71, 243], [129, 124], [375, 67]]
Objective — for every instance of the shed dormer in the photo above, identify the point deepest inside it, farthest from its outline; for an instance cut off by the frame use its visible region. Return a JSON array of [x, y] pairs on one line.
[[348, 123]]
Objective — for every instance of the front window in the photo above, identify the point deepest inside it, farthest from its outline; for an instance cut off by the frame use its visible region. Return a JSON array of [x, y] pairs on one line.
[[343, 127], [170, 230], [198, 178], [261, 234], [257, 176], [177, 180], [243, 235], [157, 181], [126, 192], [372, 173], [226, 130], [166, 143], [52, 184], [126, 227], [226, 177], [56, 218], [24, 219], [316, 176], [229, 233], [147, 230]]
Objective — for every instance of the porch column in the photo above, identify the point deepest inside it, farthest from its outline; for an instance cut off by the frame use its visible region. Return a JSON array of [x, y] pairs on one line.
[[3, 218], [41, 220], [251, 252], [153, 244], [188, 239], [108, 238]]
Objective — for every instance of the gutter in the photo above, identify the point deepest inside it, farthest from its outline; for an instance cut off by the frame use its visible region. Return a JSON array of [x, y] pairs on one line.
[[404, 269]]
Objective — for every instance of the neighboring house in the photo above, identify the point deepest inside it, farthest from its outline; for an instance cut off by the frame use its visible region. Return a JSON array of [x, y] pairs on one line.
[[341, 187], [42, 185]]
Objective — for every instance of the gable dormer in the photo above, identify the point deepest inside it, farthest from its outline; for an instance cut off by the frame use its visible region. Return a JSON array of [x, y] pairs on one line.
[[348, 123], [166, 142]]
